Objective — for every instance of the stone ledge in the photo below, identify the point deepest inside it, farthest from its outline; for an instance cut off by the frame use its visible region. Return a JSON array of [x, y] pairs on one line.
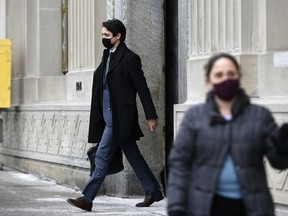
[[274, 104], [44, 157], [51, 107]]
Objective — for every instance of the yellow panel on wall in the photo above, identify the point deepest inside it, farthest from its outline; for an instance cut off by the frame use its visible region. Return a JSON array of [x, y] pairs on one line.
[[5, 73]]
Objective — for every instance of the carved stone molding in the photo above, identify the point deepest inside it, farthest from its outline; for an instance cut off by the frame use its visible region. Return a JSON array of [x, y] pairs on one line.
[[124, 10], [51, 136], [117, 9], [110, 9]]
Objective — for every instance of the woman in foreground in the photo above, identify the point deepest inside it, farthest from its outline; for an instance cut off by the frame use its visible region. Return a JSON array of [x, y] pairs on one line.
[[216, 163]]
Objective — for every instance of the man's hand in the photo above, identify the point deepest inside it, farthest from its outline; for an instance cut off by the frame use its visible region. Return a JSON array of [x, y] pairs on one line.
[[152, 123]]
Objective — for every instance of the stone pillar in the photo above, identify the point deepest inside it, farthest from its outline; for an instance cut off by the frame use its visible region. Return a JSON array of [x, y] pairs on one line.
[[48, 25], [254, 32], [182, 51], [273, 74], [2, 18], [17, 32], [81, 35], [144, 21], [35, 29], [50, 37], [219, 26], [85, 47]]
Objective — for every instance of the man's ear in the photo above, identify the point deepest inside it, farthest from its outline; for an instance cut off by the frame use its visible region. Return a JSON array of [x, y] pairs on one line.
[[118, 36]]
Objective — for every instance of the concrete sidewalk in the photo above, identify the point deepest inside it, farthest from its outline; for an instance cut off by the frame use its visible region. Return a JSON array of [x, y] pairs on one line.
[[24, 194]]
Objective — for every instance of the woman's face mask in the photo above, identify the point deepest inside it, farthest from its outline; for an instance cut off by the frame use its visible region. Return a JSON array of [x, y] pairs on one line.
[[224, 79], [227, 89]]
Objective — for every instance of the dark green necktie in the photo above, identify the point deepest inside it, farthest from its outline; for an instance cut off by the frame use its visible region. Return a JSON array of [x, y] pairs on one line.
[[106, 67]]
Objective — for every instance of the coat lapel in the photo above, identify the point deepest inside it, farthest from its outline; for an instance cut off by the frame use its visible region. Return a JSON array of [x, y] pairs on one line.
[[117, 56]]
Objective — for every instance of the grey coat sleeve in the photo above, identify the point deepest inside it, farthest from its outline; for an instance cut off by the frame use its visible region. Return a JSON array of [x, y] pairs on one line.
[[180, 160]]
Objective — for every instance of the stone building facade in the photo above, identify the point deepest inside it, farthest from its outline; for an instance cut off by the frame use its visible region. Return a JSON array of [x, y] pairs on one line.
[[56, 46], [55, 53]]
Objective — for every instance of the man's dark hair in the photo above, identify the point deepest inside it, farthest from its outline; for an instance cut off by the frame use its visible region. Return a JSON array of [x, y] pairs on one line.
[[213, 59], [115, 26]]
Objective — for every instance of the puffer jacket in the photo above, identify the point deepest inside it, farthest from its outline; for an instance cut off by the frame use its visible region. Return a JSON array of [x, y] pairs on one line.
[[201, 145]]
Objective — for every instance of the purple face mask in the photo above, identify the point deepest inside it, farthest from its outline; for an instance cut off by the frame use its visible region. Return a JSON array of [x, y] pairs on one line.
[[227, 89]]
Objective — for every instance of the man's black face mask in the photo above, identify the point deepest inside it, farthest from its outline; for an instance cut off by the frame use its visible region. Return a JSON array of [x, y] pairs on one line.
[[107, 43]]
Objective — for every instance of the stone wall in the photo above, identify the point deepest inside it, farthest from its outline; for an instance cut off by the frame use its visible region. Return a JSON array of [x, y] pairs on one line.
[[45, 140], [45, 131], [2, 19]]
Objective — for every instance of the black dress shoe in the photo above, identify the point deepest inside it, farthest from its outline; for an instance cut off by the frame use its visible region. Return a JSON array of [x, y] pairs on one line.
[[81, 203], [150, 199]]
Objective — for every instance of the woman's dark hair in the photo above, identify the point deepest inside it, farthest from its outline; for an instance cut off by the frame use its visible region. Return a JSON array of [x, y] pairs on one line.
[[213, 59], [115, 26]]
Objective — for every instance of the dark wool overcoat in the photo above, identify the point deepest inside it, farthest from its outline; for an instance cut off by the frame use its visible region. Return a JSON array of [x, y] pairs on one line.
[[125, 80], [202, 143]]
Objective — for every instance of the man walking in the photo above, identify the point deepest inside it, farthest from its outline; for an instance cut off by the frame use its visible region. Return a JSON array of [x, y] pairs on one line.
[[114, 115]]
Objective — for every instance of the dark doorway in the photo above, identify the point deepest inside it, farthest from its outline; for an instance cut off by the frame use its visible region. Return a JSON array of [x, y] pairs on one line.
[[171, 71]]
